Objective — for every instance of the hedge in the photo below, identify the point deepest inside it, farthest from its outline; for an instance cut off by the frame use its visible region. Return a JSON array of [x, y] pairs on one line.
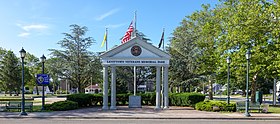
[[62, 106], [85, 100], [122, 99], [176, 99], [210, 105], [185, 99], [148, 98]]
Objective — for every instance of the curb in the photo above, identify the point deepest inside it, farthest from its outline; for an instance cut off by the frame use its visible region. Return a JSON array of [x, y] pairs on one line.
[[122, 117]]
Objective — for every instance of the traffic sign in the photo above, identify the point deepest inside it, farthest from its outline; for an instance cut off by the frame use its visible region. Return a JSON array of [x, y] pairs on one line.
[[43, 79]]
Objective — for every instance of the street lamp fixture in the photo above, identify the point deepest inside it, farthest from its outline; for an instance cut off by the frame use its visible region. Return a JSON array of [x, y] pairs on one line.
[[248, 56], [228, 93], [43, 59], [22, 55]]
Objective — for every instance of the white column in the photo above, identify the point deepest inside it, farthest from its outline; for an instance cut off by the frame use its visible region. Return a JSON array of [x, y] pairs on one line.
[[162, 87], [134, 81], [105, 88], [166, 100], [158, 88], [113, 89]]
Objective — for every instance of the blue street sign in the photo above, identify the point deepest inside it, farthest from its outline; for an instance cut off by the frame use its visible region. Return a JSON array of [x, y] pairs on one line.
[[43, 79]]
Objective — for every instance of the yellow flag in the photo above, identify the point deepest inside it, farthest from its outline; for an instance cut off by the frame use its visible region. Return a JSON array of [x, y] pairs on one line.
[[104, 39]]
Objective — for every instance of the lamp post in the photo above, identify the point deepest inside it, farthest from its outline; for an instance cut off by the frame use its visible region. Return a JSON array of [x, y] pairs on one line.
[[43, 58], [22, 55], [248, 56], [228, 93]]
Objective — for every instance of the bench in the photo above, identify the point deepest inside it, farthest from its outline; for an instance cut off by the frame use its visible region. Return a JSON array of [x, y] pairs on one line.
[[3, 106], [252, 106], [17, 105]]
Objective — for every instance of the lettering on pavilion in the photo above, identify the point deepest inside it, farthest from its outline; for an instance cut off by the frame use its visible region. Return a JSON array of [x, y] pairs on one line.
[[136, 62]]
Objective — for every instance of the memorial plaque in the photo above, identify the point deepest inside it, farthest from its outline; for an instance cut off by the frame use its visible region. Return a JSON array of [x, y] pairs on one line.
[[135, 102]]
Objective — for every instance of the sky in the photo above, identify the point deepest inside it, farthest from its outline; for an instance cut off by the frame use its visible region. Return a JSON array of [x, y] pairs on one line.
[[37, 25]]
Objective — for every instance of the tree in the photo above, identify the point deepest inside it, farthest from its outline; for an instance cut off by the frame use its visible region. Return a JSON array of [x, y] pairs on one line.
[[53, 65], [193, 48], [229, 29], [249, 27], [184, 53], [33, 67], [2, 54], [10, 73], [75, 57]]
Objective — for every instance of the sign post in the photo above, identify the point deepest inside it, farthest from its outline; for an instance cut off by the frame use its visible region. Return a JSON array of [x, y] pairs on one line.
[[42, 80]]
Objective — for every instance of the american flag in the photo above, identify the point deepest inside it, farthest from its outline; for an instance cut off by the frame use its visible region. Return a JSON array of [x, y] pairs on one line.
[[128, 33]]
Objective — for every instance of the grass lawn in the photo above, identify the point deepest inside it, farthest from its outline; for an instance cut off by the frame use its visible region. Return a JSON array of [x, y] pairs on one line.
[[38, 108], [274, 109]]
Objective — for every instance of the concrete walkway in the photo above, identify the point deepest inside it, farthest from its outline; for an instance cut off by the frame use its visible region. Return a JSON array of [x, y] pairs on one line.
[[146, 112]]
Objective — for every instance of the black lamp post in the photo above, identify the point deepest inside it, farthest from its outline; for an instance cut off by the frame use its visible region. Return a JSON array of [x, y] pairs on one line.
[[22, 55], [43, 59], [248, 56], [228, 93]]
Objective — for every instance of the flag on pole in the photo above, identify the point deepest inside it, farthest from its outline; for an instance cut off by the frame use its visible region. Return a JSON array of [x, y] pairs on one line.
[[128, 33], [161, 40], [104, 39]]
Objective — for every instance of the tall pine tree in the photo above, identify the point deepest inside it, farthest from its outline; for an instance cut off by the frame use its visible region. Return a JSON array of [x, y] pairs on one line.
[[10, 73]]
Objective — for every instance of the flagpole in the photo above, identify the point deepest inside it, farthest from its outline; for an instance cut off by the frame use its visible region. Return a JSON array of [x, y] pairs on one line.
[[135, 23], [134, 68], [106, 39], [163, 41], [162, 74]]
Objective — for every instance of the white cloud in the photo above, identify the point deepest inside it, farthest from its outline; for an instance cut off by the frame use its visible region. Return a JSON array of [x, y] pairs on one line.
[[34, 27], [103, 16], [24, 34], [114, 25]]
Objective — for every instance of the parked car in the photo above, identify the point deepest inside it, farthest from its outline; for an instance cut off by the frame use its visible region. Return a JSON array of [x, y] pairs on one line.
[[240, 92], [278, 98]]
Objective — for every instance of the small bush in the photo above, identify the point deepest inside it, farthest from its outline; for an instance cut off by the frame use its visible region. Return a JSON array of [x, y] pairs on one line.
[[186, 99], [148, 98], [82, 99], [62, 106], [97, 98], [122, 99], [209, 105]]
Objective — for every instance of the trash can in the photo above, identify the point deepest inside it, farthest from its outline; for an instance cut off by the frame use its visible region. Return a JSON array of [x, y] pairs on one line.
[[259, 96]]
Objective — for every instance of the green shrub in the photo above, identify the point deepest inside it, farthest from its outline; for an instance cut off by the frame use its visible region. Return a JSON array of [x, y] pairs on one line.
[[210, 105], [82, 99], [185, 99], [178, 99], [148, 98], [97, 98], [122, 99], [62, 106]]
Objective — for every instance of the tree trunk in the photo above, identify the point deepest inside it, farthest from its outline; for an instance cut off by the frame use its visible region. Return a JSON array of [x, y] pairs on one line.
[[80, 90], [211, 90], [37, 90], [254, 88]]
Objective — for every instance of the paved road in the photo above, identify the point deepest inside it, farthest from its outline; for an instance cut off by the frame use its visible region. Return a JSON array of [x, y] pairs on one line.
[[132, 121]]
